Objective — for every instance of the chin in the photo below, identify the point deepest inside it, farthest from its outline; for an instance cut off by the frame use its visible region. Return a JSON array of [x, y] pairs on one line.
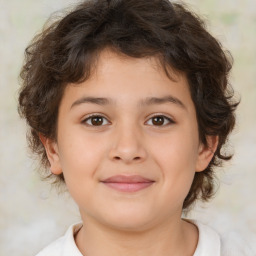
[[129, 220]]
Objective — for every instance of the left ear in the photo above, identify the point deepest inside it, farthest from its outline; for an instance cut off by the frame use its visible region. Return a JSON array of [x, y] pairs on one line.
[[206, 152]]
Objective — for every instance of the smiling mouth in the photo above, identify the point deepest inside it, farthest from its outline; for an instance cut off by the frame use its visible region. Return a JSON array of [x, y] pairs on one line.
[[128, 183]]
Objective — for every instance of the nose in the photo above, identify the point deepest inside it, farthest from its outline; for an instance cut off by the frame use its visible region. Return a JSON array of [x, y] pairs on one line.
[[127, 145]]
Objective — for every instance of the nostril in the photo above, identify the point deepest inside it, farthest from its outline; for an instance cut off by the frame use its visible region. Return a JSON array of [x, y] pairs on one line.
[[119, 158]]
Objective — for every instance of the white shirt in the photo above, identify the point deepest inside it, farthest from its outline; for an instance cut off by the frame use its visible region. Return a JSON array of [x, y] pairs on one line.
[[210, 243]]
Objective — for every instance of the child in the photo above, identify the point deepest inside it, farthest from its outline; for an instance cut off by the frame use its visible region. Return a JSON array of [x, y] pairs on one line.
[[129, 106]]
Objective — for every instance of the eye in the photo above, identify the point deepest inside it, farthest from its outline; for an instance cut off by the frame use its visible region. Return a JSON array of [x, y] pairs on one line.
[[161, 120], [95, 120]]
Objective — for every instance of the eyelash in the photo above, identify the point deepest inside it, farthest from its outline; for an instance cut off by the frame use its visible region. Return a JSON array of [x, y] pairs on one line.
[[98, 115]]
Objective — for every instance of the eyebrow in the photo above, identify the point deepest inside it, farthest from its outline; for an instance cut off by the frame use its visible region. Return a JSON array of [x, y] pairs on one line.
[[145, 102]]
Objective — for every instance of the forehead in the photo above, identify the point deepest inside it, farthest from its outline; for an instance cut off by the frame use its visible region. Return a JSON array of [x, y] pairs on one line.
[[108, 61], [124, 78]]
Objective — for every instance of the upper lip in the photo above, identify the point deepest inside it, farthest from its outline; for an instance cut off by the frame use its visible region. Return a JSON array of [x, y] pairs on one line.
[[127, 179]]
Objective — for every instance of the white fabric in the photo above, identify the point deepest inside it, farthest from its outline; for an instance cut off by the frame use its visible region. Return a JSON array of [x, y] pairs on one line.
[[210, 243]]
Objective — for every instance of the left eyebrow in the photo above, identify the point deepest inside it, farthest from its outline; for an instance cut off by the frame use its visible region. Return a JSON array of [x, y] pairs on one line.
[[162, 100], [145, 102]]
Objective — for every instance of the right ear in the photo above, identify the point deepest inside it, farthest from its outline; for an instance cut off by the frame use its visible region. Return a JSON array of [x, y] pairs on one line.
[[52, 152]]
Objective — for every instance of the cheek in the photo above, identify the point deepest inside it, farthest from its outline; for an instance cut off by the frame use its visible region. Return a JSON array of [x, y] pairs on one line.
[[80, 158], [178, 167], [178, 151], [177, 156], [80, 154]]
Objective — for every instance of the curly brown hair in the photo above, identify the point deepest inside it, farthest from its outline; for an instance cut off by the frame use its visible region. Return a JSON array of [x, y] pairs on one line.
[[66, 50]]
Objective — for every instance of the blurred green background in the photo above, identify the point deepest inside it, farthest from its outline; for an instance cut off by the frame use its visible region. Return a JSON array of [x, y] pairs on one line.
[[32, 214]]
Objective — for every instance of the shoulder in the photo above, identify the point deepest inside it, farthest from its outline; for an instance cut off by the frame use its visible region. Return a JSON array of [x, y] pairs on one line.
[[53, 249], [209, 242], [233, 244], [64, 246], [220, 244]]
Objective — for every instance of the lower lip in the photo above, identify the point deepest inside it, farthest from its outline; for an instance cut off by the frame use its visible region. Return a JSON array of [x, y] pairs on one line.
[[128, 187]]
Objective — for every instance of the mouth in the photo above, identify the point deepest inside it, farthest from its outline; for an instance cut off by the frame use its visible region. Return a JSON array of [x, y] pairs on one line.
[[128, 183]]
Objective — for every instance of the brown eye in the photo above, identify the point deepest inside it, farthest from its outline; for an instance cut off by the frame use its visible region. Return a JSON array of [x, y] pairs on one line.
[[95, 121], [161, 120], [158, 120]]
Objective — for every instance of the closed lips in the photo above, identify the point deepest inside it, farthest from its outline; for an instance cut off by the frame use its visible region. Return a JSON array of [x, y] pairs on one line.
[[127, 179], [128, 184]]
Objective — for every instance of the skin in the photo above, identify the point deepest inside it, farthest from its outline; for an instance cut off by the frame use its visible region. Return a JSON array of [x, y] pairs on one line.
[[128, 142]]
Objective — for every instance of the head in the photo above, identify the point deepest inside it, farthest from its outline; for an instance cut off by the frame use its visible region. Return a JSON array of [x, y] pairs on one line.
[[69, 51]]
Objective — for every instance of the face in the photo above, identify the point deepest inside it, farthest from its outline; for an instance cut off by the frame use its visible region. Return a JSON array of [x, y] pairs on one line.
[[128, 143]]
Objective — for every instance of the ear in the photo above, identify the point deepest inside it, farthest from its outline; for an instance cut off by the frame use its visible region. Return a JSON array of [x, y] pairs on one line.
[[206, 152], [52, 152]]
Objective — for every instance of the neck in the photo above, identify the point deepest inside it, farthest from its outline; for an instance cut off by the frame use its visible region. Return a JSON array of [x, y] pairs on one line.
[[170, 238]]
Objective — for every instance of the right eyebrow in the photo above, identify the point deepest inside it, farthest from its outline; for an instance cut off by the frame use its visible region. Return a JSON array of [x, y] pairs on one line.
[[98, 101]]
